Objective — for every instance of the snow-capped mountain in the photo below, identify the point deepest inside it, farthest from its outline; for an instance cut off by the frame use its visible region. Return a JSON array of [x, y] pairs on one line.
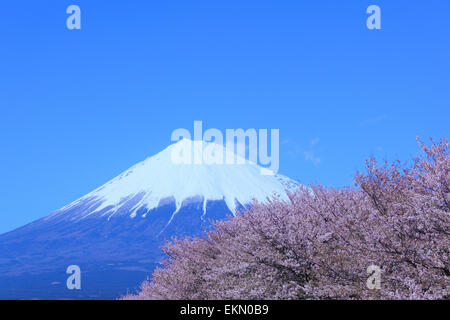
[[143, 187], [119, 227]]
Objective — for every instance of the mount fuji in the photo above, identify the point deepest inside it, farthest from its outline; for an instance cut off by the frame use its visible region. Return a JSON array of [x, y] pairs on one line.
[[114, 233]]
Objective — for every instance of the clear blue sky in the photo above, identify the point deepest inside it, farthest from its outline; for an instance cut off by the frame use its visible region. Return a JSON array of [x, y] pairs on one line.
[[77, 107]]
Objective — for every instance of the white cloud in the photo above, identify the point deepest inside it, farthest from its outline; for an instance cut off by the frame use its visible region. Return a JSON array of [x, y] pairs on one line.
[[373, 120], [309, 156], [315, 141]]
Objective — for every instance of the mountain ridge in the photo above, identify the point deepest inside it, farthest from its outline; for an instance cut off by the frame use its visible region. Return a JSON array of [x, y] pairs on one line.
[[117, 229], [157, 178]]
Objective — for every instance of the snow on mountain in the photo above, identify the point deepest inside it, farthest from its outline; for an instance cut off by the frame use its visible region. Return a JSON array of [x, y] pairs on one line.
[[144, 186], [116, 231]]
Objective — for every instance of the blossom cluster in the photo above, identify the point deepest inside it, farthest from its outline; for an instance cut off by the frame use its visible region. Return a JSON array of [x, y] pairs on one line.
[[319, 244]]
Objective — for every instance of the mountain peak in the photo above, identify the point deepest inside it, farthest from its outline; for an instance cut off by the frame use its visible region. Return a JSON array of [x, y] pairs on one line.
[[182, 171], [120, 226]]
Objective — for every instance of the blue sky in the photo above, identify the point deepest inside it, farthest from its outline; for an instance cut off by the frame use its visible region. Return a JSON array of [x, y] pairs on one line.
[[77, 107]]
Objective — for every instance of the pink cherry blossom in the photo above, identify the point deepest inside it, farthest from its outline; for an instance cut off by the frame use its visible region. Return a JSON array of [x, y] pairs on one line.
[[319, 244]]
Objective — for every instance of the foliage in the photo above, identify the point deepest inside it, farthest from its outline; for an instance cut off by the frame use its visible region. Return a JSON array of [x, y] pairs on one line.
[[319, 244]]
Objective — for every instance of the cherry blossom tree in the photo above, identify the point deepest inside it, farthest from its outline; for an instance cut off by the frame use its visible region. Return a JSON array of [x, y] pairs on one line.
[[319, 244]]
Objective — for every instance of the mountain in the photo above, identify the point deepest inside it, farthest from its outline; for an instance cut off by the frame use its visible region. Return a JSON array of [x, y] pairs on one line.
[[114, 233]]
